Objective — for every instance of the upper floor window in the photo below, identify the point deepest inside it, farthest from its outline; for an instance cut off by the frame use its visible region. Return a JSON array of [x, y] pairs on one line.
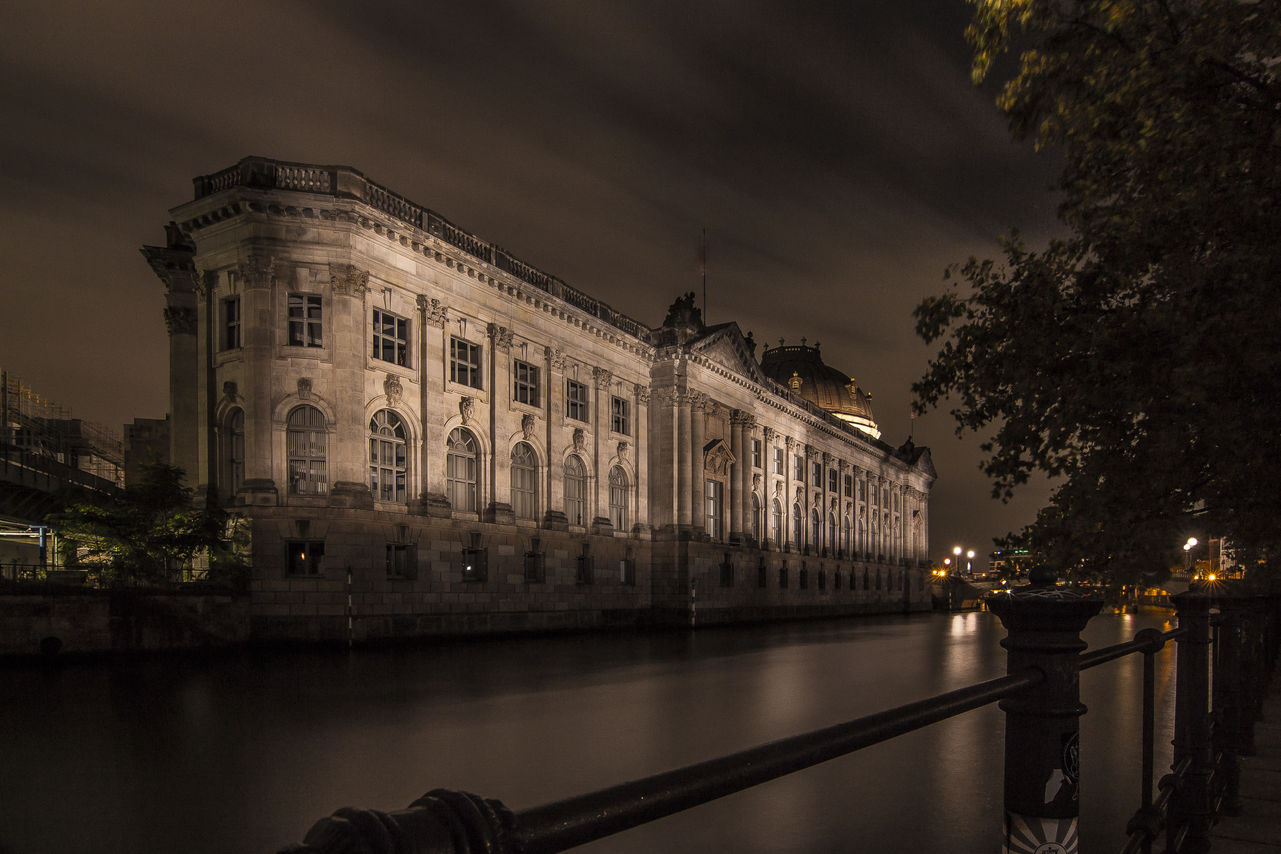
[[391, 337], [462, 463], [575, 489], [231, 323], [715, 509], [576, 400], [778, 461], [831, 480], [756, 453], [304, 320], [618, 498], [525, 383], [305, 451], [798, 468], [524, 481], [620, 419], [849, 485], [464, 363], [388, 457], [817, 472]]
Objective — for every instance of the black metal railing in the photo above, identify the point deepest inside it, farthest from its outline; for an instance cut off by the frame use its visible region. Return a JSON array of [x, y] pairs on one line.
[[1040, 695]]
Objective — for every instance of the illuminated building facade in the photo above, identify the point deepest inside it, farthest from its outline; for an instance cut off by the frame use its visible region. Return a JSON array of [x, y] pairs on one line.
[[407, 414]]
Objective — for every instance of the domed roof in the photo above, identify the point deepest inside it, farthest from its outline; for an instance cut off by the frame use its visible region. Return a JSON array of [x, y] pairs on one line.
[[801, 369]]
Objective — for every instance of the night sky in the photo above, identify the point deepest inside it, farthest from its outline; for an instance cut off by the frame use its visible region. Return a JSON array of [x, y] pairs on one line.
[[837, 154]]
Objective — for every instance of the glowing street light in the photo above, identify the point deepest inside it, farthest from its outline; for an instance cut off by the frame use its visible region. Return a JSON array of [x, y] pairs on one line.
[[1187, 553]]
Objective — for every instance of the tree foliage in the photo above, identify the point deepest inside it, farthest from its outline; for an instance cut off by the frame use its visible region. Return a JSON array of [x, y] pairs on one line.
[[1137, 358], [150, 532]]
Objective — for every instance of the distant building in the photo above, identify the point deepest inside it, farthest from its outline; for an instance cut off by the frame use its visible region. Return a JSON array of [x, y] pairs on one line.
[[1009, 563], [477, 445]]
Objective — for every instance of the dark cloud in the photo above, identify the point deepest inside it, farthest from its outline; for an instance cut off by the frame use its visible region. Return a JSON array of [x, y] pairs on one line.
[[836, 153]]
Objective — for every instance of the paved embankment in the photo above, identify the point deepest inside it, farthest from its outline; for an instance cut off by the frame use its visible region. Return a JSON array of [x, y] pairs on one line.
[[1258, 828]]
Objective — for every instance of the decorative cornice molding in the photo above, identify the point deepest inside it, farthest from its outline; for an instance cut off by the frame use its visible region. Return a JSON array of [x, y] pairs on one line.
[[347, 280]]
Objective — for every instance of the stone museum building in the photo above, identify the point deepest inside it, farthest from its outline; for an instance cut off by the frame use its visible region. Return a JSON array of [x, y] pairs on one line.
[[451, 440]]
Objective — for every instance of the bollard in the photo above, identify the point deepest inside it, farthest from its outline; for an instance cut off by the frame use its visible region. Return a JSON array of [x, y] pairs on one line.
[[1043, 625], [1192, 806]]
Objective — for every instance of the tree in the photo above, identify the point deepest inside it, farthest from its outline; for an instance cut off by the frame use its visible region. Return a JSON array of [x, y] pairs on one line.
[[1137, 359], [150, 531]]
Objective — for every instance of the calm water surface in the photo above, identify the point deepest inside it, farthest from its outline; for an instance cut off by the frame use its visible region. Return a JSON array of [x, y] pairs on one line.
[[242, 755]]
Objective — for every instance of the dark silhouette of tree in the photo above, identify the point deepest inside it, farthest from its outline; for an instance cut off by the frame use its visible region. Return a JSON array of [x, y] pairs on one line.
[[149, 532], [1136, 360]]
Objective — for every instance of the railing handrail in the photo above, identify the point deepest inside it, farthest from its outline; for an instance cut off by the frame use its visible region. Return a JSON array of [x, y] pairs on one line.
[[584, 818], [1148, 640]]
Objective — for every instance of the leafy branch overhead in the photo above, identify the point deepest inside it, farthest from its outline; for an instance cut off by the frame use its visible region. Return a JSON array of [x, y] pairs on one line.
[[1137, 358]]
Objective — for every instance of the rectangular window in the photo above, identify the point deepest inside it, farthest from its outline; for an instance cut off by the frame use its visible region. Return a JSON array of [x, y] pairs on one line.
[[464, 363], [525, 387], [778, 461], [849, 485], [304, 320], [627, 570], [620, 416], [831, 480], [585, 571], [475, 564], [535, 567], [817, 471], [401, 561], [391, 338], [304, 557], [798, 468], [576, 400], [231, 323], [756, 453], [715, 508]]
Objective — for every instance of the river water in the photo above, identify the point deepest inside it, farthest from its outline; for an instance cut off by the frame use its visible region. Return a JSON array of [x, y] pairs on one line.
[[242, 754]]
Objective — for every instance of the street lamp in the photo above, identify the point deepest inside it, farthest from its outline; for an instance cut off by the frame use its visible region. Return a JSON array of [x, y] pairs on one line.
[[969, 559], [1187, 554]]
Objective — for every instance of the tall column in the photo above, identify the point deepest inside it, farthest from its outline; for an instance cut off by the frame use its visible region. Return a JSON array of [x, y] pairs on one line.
[[844, 509], [258, 300], [640, 493], [735, 477], [788, 498], [697, 429], [684, 450], [348, 444], [767, 486], [599, 480], [500, 392], [431, 382], [553, 477], [749, 427]]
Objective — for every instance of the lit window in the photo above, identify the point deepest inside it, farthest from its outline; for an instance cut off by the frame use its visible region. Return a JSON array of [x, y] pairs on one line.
[[464, 363], [231, 323], [576, 400], [618, 498], [524, 481], [620, 416], [461, 464], [305, 451], [391, 337], [388, 457], [304, 320], [575, 489], [304, 557], [525, 388]]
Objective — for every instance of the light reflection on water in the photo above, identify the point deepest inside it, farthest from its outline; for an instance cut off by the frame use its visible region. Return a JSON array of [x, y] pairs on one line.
[[242, 755]]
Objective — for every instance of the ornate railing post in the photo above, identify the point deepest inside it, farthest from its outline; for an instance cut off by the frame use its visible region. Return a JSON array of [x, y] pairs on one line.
[[1228, 700], [1044, 626], [1192, 733]]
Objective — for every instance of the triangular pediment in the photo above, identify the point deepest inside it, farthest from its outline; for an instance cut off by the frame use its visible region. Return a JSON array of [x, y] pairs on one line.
[[726, 346], [717, 457]]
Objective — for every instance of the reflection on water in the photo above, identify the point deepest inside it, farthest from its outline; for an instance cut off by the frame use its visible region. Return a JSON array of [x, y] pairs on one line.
[[242, 755]]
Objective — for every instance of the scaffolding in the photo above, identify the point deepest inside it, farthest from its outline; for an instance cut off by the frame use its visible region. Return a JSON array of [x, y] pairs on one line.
[[36, 427]]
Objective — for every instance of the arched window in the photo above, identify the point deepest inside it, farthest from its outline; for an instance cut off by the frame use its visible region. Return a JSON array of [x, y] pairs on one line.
[[831, 532], [776, 524], [846, 546], [796, 526], [305, 451], [462, 471], [756, 518], [524, 482], [234, 453], [388, 457], [816, 531], [618, 498], [575, 489]]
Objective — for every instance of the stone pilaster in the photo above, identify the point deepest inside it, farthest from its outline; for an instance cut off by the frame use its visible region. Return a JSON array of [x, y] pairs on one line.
[[500, 392], [748, 427], [684, 455], [598, 480], [639, 495], [553, 482], [259, 298], [432, 371], [697, 432], [788, 524], [348, 445]]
